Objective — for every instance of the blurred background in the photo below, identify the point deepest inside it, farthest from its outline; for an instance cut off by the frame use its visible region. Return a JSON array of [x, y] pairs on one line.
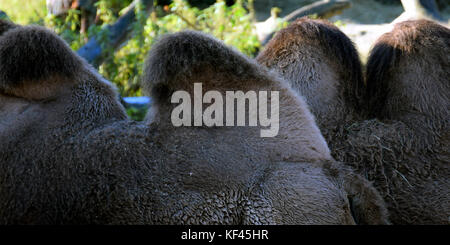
[[115, 35]]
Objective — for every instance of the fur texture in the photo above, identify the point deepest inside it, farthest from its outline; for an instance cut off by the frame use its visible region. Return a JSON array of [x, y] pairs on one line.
[[399, 81], [29, 59], [313, 55], [405, 151], [6, 25], [408, 86], [75, 158]]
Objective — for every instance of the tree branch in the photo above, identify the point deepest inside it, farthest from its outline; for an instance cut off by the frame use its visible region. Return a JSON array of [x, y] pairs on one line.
[[117, 33], [323, 9]]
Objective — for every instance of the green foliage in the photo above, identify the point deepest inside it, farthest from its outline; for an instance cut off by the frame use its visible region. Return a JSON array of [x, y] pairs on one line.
[[24, 12], [231, 24], [123, 66], [137, 114]]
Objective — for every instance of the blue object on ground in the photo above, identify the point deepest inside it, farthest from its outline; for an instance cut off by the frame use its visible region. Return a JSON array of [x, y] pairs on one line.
[[137, 102]]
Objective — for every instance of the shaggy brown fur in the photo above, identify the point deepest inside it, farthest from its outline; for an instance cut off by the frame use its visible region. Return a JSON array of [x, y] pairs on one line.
[[408, 81], [399, 78], [406, 154], [219, 68], [313, 55], [25, 47], [73, 157]]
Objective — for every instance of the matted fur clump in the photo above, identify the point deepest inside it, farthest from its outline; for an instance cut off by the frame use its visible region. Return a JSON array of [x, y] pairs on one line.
[[71, 156], [405, 149]]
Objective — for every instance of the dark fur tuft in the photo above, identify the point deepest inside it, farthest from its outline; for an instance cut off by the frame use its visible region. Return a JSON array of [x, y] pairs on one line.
[[29, 55], [324, 36], [177, 60], [409, 44]]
